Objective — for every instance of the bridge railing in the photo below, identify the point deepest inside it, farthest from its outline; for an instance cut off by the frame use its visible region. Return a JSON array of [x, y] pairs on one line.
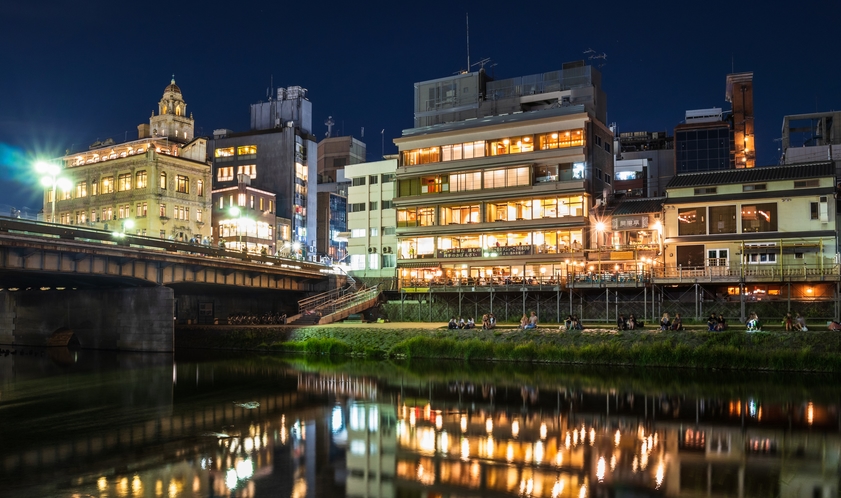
[[92, 235], [313, 303]]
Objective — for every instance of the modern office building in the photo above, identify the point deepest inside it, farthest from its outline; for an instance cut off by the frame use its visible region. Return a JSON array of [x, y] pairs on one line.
[[157, 185], [497, 178], [277, 155], [712, 140], [372, 238], [244, 218], [332, 217]]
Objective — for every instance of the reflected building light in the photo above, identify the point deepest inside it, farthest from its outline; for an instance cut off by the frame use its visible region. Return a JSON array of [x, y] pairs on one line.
[[474, 471], [464, 423], [420, 472], [122, 486], [412, 419], [592, 436], [643, 461], [617, 438], [613, 463], [159, 487], [231, 478], [644, 448], [439, 421], [426, 441], [427, 412], [102, 483], [810, 413], [489, 425], [529, 454], [136, 485], [245, 469], [248, 444], [445, 442], [490, 447], [574, 438], [558, 488], [655, 440], [529, 486], [509, 452], [543, 430], [600, 469], [196, 484], [174, 488], [559, 458], [538, 452], [661, 473], [650, 443], [635, 464], [515, 428], [465, 449], [583, 492], [566, 441]]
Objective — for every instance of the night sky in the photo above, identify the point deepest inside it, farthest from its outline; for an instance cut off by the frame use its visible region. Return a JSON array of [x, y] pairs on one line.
[[77, 71]]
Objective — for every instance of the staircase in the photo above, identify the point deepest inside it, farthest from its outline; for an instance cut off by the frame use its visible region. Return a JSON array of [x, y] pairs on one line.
[[335, 305]]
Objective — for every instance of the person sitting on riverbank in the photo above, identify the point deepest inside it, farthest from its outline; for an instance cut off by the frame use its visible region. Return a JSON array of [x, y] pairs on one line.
[[712, 321], [486, 322], [453, 324], [677, 324], [721, 323], [632, 322], [621, 324], [461, 323], [665, 322], [754, 324], [568, 323], [532, 321], [788, 322], [576, 323], [470, 323], [492, 320], [800, 323]]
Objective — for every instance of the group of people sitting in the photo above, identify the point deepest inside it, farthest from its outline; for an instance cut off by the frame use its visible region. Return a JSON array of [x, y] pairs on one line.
[[528, 322], [629, 323], [488, 321], [572, 323], [753, 323], [798, 323], [461, 324], [716, 323], [666, 322]]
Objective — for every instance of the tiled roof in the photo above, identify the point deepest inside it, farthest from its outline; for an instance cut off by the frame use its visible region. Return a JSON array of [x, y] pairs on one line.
[[639, 206], [752, 175]]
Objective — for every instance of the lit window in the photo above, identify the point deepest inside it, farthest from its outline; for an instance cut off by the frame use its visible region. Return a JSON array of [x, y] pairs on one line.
[[250, 170], [224, 153], [357, 233], [225, 174], [198, 215], [200, 188], [140, 180], [94, 188], [141, 209], [162, 181], [124, 182], [108, 185], [246, 150], [162, 210], [182, 184], [81, 189]]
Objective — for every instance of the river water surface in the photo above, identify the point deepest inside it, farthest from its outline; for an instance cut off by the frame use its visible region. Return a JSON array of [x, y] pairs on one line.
[[102, 424]]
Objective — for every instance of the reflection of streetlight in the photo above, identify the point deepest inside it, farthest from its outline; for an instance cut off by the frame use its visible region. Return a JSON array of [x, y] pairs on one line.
[[51, 180]]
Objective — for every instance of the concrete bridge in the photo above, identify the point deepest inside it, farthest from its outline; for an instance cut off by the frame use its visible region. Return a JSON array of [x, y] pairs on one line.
[[122, 291]]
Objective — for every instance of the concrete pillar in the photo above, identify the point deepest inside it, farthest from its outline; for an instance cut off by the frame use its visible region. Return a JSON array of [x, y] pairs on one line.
[[135, 319]]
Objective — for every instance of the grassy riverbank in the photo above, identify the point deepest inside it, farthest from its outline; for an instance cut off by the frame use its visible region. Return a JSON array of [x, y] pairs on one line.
[[776, 350]]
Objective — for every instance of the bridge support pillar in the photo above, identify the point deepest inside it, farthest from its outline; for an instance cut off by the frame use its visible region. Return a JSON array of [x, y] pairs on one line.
[[136, 319]]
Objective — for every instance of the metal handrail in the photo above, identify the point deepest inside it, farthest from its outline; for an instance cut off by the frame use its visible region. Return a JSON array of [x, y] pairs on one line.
[[348, 301]]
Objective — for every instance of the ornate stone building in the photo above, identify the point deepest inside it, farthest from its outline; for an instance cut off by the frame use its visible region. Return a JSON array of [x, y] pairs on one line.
[[160, 182]]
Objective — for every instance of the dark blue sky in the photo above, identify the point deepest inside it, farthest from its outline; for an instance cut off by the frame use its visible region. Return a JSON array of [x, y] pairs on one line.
[[74, 72]]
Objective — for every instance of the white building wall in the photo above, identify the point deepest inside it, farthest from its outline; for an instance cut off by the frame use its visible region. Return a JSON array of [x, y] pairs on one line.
[[373, 253]]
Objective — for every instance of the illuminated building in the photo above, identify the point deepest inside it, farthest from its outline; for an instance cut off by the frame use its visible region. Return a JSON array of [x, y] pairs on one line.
[[755, 234], [496, 179], [372, 242], [160, 182], [251, 226], [710, 140], [644, 163], [276, 154]]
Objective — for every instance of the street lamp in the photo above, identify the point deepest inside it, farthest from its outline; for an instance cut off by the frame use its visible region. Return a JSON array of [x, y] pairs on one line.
[[51, 180]]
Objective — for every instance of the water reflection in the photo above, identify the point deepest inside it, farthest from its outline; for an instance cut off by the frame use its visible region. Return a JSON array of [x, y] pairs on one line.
[[137, 426]]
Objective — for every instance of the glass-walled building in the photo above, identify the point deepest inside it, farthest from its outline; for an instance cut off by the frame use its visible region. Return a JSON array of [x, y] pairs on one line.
[[496, 188]]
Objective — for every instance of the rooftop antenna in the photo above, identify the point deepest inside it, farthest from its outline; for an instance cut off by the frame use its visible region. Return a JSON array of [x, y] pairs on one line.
[[382, 135], [467, 25]]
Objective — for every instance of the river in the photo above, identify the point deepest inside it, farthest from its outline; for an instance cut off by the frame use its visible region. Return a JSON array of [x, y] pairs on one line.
[[104, 424]]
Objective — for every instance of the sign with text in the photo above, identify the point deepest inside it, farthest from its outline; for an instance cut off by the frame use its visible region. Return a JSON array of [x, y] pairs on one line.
[[629, 222]]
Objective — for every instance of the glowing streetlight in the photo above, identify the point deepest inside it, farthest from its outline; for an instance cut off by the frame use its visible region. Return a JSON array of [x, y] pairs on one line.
[[600, 227], [234, 211], [51, 180]]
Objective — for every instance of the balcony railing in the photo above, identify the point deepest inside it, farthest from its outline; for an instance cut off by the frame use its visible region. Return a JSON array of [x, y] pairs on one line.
[[748, 272]]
